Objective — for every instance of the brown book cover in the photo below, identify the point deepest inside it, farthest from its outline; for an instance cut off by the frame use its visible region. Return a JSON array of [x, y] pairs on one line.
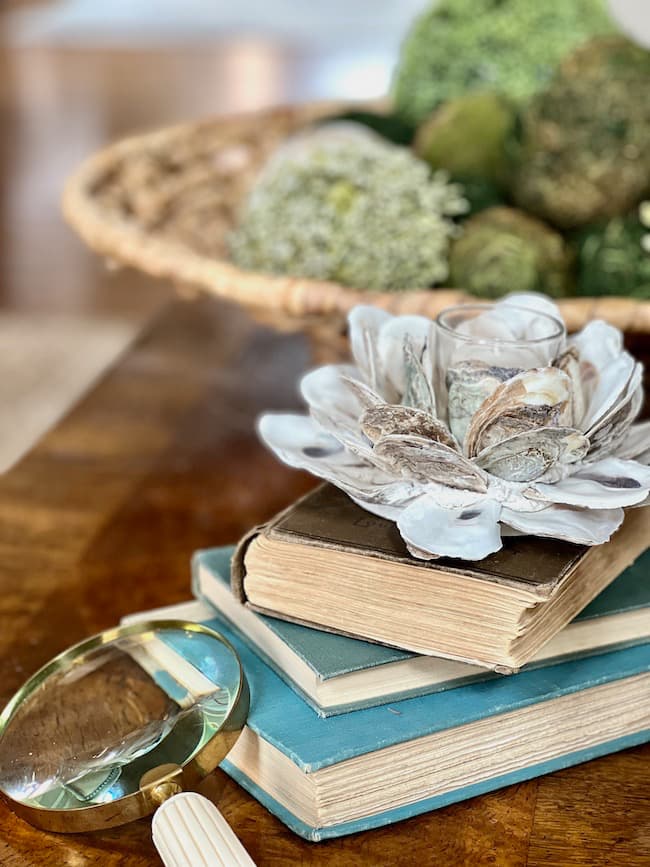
[[326, 517]]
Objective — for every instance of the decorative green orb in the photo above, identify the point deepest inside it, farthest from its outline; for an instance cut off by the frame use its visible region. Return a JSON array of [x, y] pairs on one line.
[[511, 46], [585, 143], [503, 250], [468, 136], [613, 259]]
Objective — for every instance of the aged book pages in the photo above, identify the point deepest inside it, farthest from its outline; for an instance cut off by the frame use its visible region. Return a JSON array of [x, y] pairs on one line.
[[449, 760], [326, 562]]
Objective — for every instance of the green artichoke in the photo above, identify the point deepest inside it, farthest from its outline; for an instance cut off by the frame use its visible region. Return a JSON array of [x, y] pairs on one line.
[[342, 204], [508, 45], [503, 250], [613, 259], [585, 141]]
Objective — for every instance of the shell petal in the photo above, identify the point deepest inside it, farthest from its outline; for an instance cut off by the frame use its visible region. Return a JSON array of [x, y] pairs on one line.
[[605, 368], [569, 362], [529, 455], [469, 383], [299, 442], [426, 461], [365, 395], [389, 419], [609, 483], [607, 433], [365, 323], [419, 388], [611, 387], [336, 405], [598, 343], [383, 510], [327, 388], [470, 533], [636, 444], [583, 526], [533, 301], [452, 498], [535, 398], [394, 334]]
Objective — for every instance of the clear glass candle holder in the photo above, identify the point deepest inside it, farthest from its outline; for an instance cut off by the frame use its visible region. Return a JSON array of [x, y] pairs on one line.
[[481, 345]]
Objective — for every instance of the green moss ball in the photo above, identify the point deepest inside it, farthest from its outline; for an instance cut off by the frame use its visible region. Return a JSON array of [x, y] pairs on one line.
[[508, 45], [503, 250], [613, 259], [468, 136], [585, 142]]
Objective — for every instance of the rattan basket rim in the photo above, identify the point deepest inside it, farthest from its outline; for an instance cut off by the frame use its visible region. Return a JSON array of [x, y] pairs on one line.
[[124, 240]]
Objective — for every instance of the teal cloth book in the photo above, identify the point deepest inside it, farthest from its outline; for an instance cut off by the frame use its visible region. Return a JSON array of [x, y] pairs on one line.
[[336, 674], [328, 777]]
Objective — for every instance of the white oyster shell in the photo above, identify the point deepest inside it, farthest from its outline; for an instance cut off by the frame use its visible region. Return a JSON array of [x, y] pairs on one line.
[[415, 457], [535, 398], [471, 533], [379, 421], [569, 363], [533, 454], [469, 383]]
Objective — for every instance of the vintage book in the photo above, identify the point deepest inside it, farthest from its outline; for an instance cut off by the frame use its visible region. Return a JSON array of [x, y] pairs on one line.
[[336, 674], [328, 777], [327, 563]]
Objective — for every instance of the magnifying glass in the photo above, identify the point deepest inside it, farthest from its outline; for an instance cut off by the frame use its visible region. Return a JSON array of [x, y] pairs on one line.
[[122, 723]]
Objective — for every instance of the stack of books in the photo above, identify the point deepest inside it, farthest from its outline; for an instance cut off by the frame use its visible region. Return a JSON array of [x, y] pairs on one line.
[[383, 686]]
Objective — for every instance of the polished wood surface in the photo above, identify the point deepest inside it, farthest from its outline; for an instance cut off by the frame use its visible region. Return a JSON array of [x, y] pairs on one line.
[[101, 518]]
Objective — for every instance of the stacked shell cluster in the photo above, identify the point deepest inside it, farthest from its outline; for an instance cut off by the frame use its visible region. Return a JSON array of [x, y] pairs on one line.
[[460, 457]]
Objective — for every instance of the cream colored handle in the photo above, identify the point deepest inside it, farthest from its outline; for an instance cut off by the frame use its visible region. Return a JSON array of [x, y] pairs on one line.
[[189, 831]]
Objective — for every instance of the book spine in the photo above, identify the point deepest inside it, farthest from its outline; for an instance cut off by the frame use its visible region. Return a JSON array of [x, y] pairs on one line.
[[237, 567]]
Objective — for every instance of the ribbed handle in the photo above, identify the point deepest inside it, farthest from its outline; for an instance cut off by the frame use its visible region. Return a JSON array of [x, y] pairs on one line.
[[189, 831]]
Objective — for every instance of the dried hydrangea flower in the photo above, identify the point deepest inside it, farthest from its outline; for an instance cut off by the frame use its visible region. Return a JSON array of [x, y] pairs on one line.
[[553, 451], [341, 204]]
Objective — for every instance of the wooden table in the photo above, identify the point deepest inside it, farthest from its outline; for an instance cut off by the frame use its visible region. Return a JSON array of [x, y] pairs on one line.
[[102, 517]]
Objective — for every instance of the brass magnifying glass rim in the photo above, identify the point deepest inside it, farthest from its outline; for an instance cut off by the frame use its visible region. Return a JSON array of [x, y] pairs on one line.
[[147, 798]]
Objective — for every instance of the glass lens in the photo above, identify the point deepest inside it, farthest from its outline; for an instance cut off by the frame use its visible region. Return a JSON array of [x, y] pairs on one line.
[[88, 728]]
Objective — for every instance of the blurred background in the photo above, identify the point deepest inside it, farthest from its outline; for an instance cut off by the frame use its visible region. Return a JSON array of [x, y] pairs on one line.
[[76, 74]]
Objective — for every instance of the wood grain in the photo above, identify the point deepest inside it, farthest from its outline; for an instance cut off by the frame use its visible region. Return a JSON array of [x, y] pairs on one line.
[[100, 520]]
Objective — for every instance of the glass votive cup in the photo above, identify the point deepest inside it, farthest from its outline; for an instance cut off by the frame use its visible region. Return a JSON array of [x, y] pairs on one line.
[[480, 345]]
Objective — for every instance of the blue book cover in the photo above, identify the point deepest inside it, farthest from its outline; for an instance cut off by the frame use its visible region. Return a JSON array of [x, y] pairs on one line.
[[321, 665], [280, 722]]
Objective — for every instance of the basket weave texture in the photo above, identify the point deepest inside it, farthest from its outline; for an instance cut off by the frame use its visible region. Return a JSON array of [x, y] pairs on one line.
[[164, 203]]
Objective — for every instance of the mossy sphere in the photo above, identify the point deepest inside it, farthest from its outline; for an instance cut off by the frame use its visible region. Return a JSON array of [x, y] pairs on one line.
[[508, 45], [585, 147], [502, 250]]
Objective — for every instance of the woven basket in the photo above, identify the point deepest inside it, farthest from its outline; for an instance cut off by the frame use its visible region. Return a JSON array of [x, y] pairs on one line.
[[165, 202]]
